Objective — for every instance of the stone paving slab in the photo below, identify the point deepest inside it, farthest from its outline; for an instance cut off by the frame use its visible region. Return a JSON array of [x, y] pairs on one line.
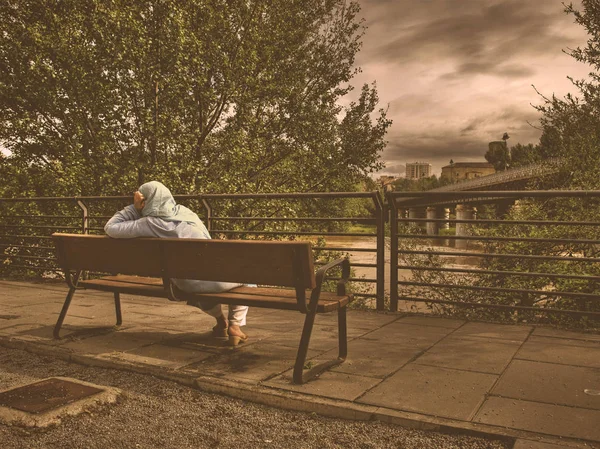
[[550, 383], [366, 359], [331, 384], [488, 330], [433, 391], [548, 419], [419, 370], [252, 363], [410, 335], [161, 355], [529, 444], [448, 323], [565, 351], [484, 355], [118, 341], [559, 333]]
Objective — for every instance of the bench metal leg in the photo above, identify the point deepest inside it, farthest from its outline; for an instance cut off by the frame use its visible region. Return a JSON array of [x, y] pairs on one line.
[[342, 334], [63, 312], [309, 321], [118, 308], [300, 376]]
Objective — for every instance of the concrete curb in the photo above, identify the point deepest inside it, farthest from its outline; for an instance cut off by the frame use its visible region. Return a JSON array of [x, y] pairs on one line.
[[290, 400]]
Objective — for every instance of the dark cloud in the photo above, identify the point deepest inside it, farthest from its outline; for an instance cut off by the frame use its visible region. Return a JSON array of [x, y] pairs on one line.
[[479, 36], [437, 146]]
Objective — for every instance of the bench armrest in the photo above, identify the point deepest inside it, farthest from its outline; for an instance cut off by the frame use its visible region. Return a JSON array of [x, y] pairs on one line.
[[321, 276]]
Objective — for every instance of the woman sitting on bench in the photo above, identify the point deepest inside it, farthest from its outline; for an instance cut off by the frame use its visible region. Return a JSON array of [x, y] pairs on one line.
[[155, 214]]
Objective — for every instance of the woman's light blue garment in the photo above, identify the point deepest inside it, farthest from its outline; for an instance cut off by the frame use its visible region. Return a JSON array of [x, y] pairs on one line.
[[160, 203], [178, 222]]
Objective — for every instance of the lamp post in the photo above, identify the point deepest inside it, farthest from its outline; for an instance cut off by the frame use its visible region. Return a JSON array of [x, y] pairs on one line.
[[451, 171], [507, 161]]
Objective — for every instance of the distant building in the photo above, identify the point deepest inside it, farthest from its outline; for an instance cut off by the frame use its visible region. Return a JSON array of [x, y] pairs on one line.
[[460, 171], [418, 170]]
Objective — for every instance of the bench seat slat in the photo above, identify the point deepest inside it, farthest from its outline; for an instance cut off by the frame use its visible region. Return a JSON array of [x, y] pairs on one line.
[[277, 298]]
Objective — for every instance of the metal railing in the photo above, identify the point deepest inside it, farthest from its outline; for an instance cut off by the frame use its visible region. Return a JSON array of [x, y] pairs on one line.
[[525, 259], [505, 262], [27, 223]]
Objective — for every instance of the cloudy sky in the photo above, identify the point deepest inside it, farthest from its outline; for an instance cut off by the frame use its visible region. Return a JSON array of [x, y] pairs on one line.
[[457, 74]]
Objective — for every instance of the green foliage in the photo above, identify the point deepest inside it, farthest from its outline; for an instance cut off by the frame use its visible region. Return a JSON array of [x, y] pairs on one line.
[[571, 125], [498, 155], [542, 292], [97, 97], [417, 185]]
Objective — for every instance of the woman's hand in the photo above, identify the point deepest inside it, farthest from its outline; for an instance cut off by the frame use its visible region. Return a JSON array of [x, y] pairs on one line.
[[139, 201]]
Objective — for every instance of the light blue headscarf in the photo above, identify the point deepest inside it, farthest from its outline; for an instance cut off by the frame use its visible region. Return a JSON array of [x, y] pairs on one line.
[[160, 203]]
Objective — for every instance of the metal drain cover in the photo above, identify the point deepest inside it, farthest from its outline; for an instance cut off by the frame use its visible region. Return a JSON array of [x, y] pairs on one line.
[[46, 395], [43, 402]]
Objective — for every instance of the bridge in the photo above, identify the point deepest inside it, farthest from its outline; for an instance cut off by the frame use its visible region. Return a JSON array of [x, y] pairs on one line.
[[438, 207]]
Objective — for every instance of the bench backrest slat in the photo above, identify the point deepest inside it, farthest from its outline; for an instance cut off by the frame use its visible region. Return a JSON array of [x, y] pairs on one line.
[[99, 253], [288, 264]]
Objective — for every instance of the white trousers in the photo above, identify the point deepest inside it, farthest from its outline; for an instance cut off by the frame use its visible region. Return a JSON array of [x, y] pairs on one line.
[[236, 315]]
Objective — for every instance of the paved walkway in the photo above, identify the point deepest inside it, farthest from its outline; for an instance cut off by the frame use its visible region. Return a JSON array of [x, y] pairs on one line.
[[540, 386]]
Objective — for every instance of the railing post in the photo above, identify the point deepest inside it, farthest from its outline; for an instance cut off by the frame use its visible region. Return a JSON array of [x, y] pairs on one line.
[[85, 227], [380, 220], [208, 214], [393, 253], [85, 223]]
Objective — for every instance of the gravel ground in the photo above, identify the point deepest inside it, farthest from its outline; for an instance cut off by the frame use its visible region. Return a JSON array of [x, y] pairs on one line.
[[155, 413]]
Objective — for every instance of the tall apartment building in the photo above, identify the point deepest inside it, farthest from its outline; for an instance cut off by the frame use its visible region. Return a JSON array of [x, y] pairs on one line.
[[418, 170]]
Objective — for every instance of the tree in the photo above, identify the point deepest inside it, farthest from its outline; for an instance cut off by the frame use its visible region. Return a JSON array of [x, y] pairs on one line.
[[416, 185], [498, 155], [97, 97], [571, 125]]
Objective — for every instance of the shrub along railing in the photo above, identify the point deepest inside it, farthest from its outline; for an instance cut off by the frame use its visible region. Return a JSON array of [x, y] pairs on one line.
[[515, 255], [27, 223]]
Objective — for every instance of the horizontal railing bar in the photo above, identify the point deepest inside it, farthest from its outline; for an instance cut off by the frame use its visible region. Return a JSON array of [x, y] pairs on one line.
[[303, 195], [500, 256], [360, 220], [34, 267], [221, 196], [502, 289], [336, 248], [324, 233], [19, 256], [500, 193], [503, 222], [365, 295], [95, 228], [19, 236], [352, 264], [363, 280], [9, 245], [500, 239], [69, 228], [41, 216], [498, 306], [502, 273]]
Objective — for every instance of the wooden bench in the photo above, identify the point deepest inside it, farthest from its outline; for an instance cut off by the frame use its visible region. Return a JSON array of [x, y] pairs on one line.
[[145, 266]]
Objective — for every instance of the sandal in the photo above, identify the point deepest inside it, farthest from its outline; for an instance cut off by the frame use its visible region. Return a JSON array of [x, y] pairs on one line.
[[235, 340], [219, 332]]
